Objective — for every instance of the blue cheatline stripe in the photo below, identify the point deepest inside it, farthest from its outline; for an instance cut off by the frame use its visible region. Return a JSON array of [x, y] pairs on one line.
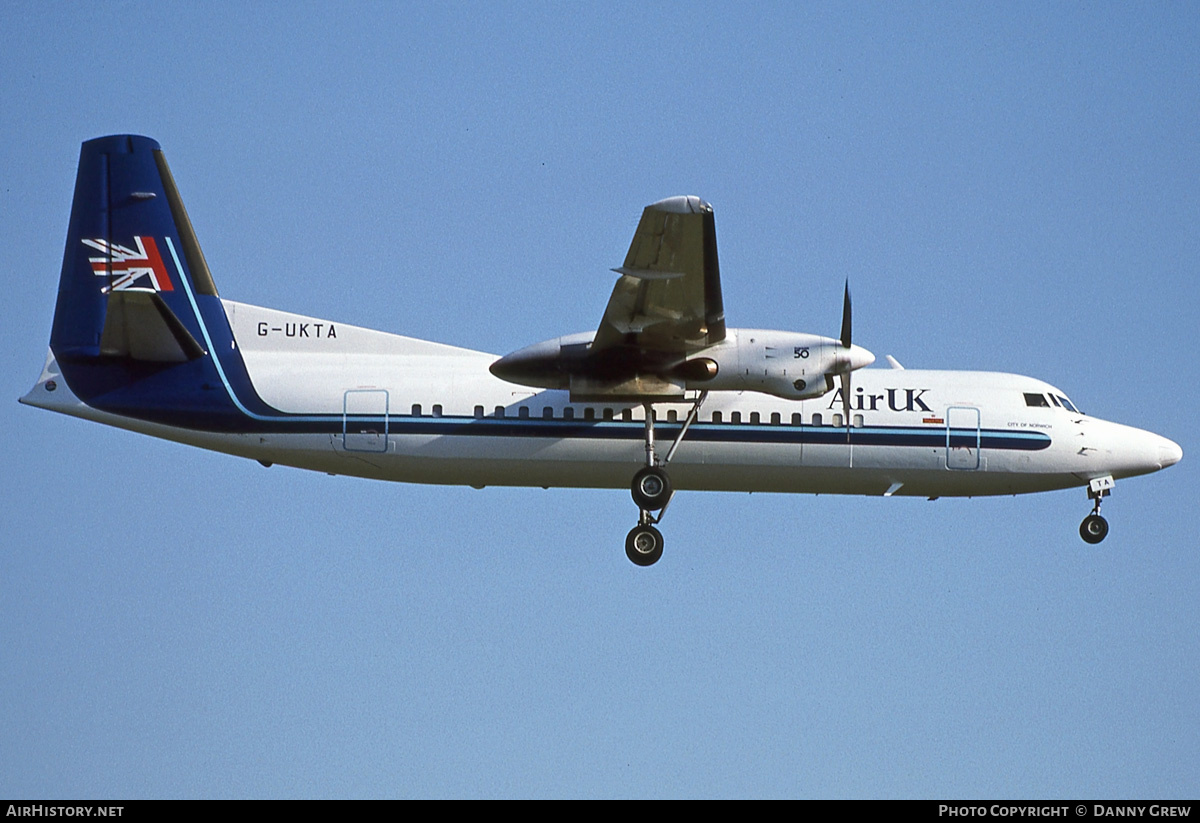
[[934, 437], [711, 432], [213, 352]]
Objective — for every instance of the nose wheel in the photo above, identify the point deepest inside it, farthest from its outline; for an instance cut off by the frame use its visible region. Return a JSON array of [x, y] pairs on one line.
[[1094, 528]]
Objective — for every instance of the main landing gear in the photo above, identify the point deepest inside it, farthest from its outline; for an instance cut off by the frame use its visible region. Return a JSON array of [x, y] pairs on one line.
[[1094, 528], [651, 489]]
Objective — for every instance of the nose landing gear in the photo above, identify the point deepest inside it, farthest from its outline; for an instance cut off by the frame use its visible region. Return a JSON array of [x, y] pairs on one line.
[[1094, 528]]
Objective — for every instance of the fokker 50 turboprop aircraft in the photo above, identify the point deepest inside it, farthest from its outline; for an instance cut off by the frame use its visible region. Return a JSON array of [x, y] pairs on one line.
[[142, 341]]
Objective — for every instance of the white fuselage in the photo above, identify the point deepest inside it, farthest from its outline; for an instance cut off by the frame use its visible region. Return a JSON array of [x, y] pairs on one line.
[[436, 415]]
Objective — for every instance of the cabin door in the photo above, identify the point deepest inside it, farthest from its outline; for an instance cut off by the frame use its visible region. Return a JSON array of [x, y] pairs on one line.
[[962, 438]]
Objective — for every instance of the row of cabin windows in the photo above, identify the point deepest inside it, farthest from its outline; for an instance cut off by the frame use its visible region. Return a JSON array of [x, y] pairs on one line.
[[589, 413]]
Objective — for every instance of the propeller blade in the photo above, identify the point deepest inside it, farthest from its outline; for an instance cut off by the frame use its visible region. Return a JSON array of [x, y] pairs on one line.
[[846, 317], [845, 375]]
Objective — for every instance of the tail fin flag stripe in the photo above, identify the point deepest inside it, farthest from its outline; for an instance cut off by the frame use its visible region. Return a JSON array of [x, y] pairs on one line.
[[124, 277]]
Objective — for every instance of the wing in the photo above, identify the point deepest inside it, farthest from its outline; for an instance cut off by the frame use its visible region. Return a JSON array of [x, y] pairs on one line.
[[668, 299]]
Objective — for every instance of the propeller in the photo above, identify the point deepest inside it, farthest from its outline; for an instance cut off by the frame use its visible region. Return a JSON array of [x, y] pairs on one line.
[[849, 358], [845, 339]]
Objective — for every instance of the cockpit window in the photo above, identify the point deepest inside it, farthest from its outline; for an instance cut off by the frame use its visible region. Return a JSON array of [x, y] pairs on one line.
[[1032, 399], [1067, 405], [1054, 400]]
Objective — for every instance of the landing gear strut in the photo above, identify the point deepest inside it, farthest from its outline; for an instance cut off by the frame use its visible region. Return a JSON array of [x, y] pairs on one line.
[[652, 491], [1094, 528]]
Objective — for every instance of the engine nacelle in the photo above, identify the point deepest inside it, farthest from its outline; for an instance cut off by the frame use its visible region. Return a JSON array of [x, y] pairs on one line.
[[785, 364]]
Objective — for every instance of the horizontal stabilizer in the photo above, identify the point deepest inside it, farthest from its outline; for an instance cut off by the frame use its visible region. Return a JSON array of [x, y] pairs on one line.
[[139, 325]]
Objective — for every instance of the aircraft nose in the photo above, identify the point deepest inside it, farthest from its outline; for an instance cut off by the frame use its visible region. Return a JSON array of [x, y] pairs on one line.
[[1154, 452], [1169, 452], [1127, 452]]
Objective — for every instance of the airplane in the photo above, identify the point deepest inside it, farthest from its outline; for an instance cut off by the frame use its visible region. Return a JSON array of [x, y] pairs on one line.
[[141, 340]]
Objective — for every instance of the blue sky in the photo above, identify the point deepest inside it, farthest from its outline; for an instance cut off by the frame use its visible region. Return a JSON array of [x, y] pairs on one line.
[[1008, 188]]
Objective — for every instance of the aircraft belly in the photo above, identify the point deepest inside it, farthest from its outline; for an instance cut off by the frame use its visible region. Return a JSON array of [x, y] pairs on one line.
[[592, 463]]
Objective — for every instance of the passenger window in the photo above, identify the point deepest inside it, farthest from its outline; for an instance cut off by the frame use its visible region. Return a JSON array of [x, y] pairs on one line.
[[523, 411], [499, 411], [437, 409], [548, 412], [755, 418], [795, 418], [817, 420], [626, 414], [608, 414], [1036, 400], [716, 417], [589, 413], [672, 416], [416, 410], [478, 412], [568, 413], [775, 419], [735, 417]]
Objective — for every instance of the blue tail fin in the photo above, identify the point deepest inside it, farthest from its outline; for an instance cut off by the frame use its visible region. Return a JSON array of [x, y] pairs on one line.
[[138, 319], [120, 259]]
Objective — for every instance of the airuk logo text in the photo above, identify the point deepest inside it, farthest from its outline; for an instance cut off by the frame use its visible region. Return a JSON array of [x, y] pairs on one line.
[[898, 400]]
